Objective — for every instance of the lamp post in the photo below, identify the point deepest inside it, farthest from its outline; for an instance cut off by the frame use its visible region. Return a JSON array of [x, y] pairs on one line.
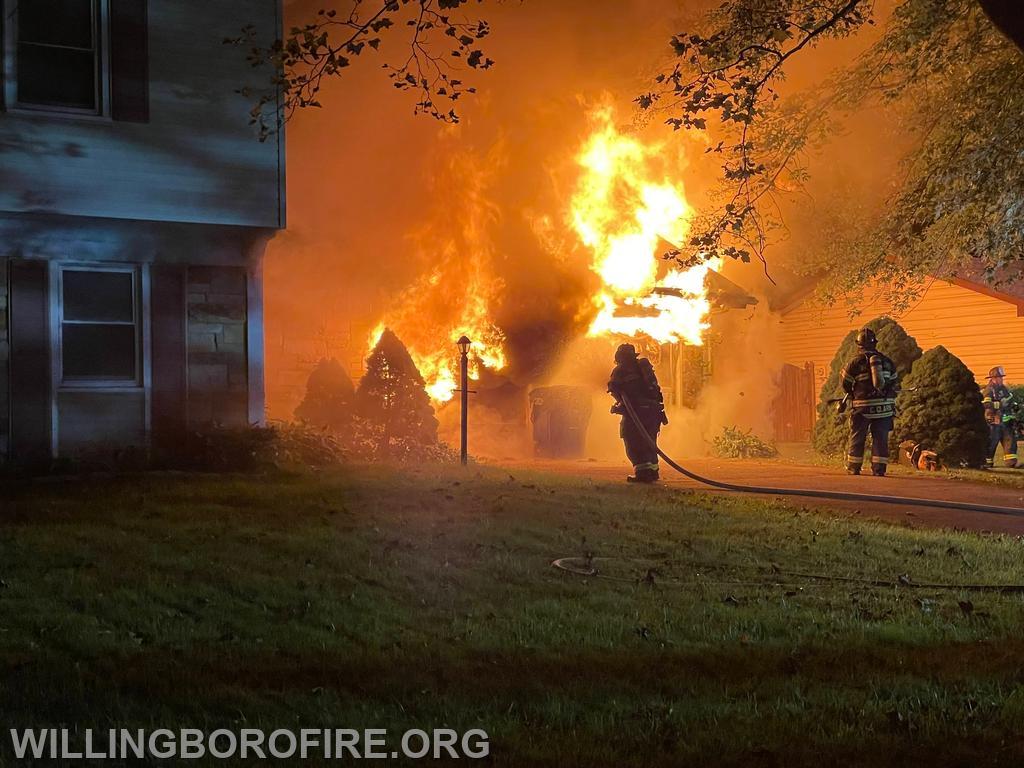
[[464, 344]]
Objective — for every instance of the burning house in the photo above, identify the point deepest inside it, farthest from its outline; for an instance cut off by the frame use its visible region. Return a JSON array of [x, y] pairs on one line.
[[627, 209], [135, 208], [545, 279]]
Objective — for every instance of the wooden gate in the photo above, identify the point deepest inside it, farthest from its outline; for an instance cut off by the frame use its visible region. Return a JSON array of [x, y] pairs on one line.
[[793, 407]]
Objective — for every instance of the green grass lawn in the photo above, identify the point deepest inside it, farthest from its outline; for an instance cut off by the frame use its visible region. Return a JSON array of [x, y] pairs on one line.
[[376, 597]]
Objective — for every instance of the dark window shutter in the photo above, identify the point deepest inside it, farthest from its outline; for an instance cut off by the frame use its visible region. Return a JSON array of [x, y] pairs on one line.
[[167, 302], [31, 382], [129, 61]]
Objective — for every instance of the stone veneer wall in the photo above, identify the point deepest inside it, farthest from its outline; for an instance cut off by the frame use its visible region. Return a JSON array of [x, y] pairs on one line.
[[5, 354], [217, 365]]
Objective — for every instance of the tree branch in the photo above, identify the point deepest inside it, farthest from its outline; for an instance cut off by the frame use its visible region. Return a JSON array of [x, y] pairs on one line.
[[311, 53]]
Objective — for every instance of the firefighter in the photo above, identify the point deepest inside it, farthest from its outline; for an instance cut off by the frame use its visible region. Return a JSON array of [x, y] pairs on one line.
[[633, 377], [1001, 415], [871, 383]]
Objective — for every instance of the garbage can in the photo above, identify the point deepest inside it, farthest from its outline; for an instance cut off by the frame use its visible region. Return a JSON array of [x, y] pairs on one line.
[[560, 415]]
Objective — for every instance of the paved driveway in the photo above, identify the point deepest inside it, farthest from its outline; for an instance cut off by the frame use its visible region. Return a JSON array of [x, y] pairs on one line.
[[778, 474]]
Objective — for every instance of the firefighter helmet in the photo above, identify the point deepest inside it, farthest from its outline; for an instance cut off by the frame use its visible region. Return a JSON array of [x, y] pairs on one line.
[[997, 372], [866, 338], [625, 353]]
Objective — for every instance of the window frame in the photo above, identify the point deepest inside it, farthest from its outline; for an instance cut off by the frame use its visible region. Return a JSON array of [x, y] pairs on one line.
[[139, 296], [102, 112]]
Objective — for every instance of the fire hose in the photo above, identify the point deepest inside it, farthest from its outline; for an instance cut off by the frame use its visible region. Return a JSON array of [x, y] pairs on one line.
[[810, 492]]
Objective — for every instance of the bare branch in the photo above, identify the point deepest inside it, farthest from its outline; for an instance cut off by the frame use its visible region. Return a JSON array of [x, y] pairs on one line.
[[327, 46]]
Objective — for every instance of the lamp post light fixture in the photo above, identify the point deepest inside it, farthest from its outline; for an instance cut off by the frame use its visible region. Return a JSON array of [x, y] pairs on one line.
[[464, 344]]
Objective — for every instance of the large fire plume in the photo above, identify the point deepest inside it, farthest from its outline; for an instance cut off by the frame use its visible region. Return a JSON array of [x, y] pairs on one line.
[[457, 295], [625, 209], [627, 205]]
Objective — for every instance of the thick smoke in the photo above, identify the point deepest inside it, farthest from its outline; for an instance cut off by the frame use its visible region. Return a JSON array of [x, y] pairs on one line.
[[741, 385], [738, 386]]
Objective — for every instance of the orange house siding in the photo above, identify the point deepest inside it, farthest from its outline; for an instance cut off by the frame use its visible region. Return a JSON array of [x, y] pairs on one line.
[[976, 325]]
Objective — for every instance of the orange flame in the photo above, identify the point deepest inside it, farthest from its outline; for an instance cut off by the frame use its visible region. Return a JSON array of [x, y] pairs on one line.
[[439, 366], [621, 211], [431, 343], [455, 296]]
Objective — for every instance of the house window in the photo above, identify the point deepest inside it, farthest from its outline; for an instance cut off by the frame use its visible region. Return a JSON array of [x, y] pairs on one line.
[[99, 326], [57, 60]]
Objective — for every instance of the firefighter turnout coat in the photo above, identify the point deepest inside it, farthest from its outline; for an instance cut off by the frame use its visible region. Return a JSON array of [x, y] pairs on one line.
[[871, 381], [1000, 407], [1001, 415]]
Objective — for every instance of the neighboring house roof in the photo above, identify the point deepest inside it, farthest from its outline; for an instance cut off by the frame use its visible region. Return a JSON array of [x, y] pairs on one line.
[[1006, 285], [795, 298]]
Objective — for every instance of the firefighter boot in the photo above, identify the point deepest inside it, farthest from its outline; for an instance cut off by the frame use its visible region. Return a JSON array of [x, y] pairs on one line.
[[854, 464], [645, 473], [650, 475]]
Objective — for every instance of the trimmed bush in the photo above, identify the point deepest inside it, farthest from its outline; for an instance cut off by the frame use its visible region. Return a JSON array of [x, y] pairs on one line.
[[390, 417], [831, 432], [1017, 390], [392, 398], [330, 398], [944, 413]]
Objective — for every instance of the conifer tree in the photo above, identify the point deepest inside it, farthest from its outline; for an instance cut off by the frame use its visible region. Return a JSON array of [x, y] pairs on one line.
[[329, 399], [392, 395], [943, 411], [831, 432]]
